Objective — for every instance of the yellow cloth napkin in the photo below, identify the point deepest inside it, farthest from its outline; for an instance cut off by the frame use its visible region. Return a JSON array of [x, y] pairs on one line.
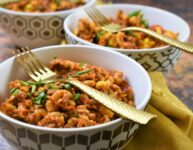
[[172, 129]]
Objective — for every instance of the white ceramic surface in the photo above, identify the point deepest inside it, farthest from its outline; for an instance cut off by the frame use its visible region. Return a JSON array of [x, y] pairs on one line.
[[36, 29], [162, 58], [114, 134]]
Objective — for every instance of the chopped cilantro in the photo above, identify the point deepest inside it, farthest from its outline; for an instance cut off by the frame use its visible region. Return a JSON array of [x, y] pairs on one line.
[[58, 2], [28, 94], [67, 86], [24, 83], [76, 96], [41, 98], [134, 13], [74, 1], [53, 86], [145, 23], [99, 35], [78, 73], [75, 114], [14, 91], [82, 65], [33, 88]]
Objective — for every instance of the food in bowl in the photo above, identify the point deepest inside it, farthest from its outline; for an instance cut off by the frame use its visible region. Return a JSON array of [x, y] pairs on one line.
[[60, 105], [37, 29], [43, 5], [92, 32]]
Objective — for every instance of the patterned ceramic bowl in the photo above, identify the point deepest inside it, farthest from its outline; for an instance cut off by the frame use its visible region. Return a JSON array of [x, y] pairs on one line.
[[107, 136], [36, 29], [162, 58]]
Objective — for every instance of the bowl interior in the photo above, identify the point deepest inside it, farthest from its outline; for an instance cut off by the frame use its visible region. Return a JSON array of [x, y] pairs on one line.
[[154, 16], [134, 73], [88, 3]]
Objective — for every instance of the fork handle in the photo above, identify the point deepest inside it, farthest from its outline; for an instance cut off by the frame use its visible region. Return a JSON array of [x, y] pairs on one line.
[[115, 105], [181, 45]]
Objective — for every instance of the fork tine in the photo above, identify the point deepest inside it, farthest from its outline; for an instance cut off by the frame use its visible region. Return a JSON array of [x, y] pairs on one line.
[[92, 16], [37, 61], [28, 62], [35, 71], [32, 64], [101, 16], [26, 67], [95, 17], [33, 61], [44, 69], [21, 62]]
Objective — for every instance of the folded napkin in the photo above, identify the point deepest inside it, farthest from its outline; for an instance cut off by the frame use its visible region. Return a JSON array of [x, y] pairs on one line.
[[172, 129]]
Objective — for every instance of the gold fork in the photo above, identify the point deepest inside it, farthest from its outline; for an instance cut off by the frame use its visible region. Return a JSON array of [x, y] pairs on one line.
[[107, 25], [38, 71]]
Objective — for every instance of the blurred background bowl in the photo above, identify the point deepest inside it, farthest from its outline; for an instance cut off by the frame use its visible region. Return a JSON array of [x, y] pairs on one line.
[[111, 135], [36, 29], [154, 59]]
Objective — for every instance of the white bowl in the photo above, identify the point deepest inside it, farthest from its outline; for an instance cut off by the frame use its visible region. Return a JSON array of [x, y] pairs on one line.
[[161, 58], [36, 29], [108, 135]]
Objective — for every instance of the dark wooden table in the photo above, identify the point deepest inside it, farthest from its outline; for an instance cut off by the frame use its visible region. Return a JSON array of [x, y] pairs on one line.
[[180, 79]]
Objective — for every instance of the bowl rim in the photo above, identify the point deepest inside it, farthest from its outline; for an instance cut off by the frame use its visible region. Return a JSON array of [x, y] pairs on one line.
[[120, 5], [95, 127], [62, 12]]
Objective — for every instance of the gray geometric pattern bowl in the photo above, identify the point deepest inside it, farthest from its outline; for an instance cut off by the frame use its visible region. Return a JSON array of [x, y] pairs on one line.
[[155, 59], [161, 60], [113, 135], [36, 29]]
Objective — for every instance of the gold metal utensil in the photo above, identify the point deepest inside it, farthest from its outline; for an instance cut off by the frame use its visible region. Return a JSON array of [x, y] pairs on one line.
[[107, 25], [38, 71], [3, 2]]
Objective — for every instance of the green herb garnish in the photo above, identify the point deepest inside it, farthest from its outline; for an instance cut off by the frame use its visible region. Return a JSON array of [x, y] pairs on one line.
[[14, 91], [134, 13], [74, 1], [58, 2], [99, 35], [41, 98], [80, 73], [145, 23], [75, 114], [33, 88], [23, 83], [76, 96], [82, 65], [67, 86], [130, 33], [28, 94], [7, 2], [33, 83], [53, 86]]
